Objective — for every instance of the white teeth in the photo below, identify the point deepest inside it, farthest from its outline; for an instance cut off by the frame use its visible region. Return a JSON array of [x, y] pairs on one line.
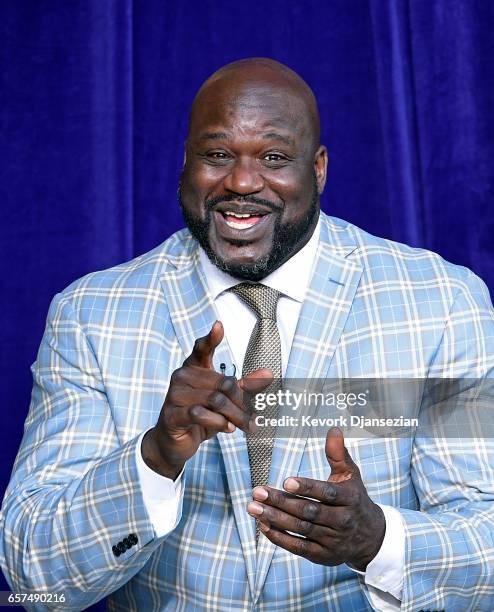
[[238, 215], [241, 226]]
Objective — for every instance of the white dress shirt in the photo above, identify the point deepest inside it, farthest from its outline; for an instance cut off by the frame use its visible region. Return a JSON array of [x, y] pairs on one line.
[[163, 497]]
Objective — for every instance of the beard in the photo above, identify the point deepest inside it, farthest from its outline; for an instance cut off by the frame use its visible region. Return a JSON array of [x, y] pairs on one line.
[[288, 237]]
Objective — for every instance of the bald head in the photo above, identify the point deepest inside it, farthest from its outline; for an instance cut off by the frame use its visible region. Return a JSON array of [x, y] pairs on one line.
[[257, 82]]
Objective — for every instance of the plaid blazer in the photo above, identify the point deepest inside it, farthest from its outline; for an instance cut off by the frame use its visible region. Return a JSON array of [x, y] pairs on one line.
[[374, 308]]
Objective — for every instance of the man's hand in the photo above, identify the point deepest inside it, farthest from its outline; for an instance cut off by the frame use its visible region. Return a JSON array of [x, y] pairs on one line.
[[339, 522], [200, 403]]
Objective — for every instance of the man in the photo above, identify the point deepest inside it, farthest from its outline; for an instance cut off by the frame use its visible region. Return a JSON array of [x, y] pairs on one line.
[[115, 491]]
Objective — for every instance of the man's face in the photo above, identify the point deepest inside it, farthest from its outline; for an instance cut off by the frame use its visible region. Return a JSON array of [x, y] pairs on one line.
[[252, 177]]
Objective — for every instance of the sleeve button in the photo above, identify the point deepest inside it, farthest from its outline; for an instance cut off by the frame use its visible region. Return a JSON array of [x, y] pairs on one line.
[[116, 551]]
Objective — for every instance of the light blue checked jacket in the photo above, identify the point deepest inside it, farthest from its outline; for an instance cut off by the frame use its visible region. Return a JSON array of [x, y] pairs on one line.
[[374, 308]]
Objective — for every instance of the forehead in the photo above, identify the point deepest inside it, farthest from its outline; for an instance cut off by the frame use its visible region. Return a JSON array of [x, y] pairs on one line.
[[249, 107]]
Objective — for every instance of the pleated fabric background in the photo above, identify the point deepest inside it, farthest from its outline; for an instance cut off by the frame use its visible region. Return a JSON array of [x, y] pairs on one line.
[[93, 113]]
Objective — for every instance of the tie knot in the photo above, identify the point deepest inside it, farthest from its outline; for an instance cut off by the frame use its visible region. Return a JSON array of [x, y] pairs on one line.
[[260, 298]]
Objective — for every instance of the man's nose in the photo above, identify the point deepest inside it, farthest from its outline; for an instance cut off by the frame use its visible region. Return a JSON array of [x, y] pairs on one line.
[[244, 178]]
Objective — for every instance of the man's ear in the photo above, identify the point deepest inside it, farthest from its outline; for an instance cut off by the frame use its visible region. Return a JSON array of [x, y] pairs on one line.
[[321, 167], [185, 154]]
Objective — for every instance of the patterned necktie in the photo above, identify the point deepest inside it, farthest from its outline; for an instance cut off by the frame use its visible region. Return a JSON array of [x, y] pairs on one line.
[[263, 351]]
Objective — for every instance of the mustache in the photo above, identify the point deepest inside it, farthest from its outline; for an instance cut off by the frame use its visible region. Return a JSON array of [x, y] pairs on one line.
[[210, 204]]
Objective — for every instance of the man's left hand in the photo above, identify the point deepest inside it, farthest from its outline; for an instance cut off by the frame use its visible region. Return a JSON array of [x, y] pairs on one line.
[[337, 519]]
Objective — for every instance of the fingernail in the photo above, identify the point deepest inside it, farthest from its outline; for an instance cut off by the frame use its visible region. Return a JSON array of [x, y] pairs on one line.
[[254, 508], [291, 485], [260, 493]]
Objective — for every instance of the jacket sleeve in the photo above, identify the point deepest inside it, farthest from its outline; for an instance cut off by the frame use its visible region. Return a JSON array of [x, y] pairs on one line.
[[449, 552], [74, 492]]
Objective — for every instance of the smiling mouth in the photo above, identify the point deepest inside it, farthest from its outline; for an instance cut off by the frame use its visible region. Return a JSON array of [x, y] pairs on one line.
[[241, 221]]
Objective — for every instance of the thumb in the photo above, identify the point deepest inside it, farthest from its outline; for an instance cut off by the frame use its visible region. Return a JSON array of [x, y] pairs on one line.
[[256, 381], [339, 459]]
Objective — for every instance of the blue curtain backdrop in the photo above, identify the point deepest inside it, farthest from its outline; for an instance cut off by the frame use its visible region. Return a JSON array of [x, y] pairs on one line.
[[95, 95]]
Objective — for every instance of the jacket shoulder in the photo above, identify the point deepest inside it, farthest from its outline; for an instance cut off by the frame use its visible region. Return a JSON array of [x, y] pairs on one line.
[[139, 272], [385, 259]]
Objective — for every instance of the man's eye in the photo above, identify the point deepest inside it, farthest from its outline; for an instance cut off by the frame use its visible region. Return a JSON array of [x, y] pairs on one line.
[[274, 157], [217, 155]]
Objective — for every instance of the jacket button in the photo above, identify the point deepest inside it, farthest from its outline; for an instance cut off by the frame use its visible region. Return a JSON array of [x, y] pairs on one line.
[[116, 551], [121, 547], [127, 543], [133, 539]]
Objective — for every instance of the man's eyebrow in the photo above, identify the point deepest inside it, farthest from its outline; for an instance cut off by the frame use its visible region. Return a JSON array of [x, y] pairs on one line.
[[213, 136], [267, 136], [277, 136]]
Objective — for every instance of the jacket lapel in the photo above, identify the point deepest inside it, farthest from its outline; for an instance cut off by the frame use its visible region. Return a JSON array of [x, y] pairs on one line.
[[192, 312], [328, 301]]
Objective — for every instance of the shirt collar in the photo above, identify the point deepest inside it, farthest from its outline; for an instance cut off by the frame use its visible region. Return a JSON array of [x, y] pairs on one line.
[[298, 267]]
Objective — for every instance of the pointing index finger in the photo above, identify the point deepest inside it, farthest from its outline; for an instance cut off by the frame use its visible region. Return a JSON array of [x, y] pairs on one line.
[[203, 351]]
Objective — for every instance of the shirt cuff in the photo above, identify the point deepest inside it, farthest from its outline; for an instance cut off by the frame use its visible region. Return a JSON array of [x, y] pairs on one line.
[[385, 571], [162, 496], [384, 574]]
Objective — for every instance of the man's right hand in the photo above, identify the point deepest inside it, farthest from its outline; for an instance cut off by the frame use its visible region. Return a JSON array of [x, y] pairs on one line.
[[200, 403]]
